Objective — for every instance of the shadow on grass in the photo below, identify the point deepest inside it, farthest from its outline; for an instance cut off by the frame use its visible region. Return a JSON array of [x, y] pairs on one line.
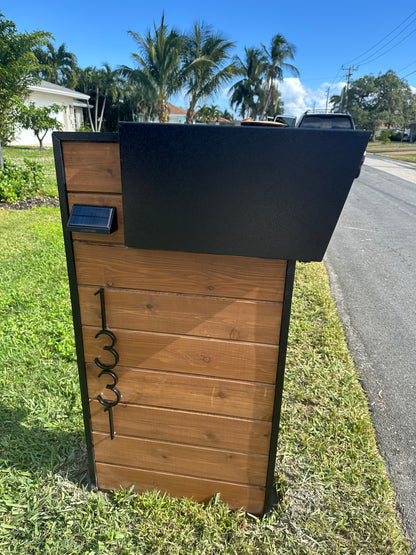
[[30, 447]]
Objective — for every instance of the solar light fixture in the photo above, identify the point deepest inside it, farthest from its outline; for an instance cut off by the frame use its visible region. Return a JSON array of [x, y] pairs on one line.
[[92, 219]]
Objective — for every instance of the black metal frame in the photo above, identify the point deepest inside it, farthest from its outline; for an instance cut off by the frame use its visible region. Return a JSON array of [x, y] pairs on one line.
[[271, 498], [57, 139]]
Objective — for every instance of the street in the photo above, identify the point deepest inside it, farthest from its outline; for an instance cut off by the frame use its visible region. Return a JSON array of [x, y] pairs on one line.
[[371, 262]]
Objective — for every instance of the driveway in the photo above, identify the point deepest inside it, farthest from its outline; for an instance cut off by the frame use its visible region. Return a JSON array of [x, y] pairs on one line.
[[371, 262]]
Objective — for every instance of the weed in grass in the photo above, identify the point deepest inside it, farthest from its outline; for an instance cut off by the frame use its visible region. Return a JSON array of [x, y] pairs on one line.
[[335, 494]]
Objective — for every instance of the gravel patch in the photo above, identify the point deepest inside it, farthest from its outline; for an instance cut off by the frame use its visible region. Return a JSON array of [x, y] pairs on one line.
[[28, 203]]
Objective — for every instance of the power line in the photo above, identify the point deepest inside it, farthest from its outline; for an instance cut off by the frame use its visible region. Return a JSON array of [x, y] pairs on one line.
[[369, 60], [411, 73], [385, 37]]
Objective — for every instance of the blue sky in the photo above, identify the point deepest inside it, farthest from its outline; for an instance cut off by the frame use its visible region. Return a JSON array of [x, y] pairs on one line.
[[370, 36]]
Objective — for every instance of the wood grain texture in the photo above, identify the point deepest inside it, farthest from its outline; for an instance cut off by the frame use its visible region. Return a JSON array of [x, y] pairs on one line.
[[193, 393], [191, 428], [180, 272], [183, 314], [214, 464], [96, 199], [92, 166], [192, 355], [249, 498]]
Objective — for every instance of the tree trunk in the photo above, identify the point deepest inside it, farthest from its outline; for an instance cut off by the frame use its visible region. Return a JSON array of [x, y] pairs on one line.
[[39, 138], [102, 114], [190, 114], [1, 158], [90, 116], [163, 111], [96, 109]]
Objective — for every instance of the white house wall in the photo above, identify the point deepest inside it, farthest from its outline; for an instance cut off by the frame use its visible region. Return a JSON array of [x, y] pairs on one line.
[[66, 117]]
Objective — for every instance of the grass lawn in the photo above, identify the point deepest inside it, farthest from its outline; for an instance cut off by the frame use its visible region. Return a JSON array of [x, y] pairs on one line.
[[396, 150], [45, 157], [336, 496]]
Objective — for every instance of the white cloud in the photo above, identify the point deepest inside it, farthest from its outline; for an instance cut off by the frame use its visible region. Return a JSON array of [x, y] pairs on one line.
[[297, 98]]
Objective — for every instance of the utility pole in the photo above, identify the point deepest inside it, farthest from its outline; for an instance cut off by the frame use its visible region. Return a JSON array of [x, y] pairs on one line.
[[350, 69], [327, 99]]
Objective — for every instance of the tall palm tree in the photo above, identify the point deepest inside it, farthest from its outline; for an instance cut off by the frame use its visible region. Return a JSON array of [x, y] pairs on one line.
[[248, 94], [280, 51], [109, 85], [206, 70], [158, 60], [57, 66]]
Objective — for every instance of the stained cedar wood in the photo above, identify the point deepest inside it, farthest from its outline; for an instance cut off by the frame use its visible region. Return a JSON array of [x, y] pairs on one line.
[[215, 464], [92, 167], [249, 498], [96, 199], [180, 272], [183, 314], [203, 430], [191, 355], [193, 393]]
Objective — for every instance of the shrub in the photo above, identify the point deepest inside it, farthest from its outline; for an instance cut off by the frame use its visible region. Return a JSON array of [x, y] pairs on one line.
[[385, 135], [396, 136], [17, 182]]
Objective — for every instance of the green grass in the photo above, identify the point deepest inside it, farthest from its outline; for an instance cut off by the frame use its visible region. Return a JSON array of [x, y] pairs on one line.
[[404, 157], [336, 496], [392, 145], [45, 157], [395, 150]]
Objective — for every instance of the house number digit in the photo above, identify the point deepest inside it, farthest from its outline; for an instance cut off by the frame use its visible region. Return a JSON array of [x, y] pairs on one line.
[[108, 368]]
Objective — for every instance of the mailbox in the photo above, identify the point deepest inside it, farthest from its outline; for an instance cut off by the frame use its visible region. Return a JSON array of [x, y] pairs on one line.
[[181, 295]]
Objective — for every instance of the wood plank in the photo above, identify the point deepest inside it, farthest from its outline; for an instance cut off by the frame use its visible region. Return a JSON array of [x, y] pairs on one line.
[[92, 166], [191, 428], [252, 362], [183, 314], [193, 393], [180, 272], [97, 199], [249, 498], [201, 462]]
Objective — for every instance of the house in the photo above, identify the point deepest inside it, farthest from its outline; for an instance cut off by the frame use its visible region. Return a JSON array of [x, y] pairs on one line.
[[71, 117], [176, 114]]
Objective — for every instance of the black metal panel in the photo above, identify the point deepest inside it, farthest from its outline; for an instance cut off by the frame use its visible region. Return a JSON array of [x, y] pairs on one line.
[[271, 497], [249, 191]]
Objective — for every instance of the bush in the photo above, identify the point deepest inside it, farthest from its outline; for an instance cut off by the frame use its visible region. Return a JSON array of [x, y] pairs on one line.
[[396, 136], [17, 182], [385, 135]]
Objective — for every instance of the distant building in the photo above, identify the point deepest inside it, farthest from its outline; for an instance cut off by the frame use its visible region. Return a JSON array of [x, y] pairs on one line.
[[71, 116], [176, 114]]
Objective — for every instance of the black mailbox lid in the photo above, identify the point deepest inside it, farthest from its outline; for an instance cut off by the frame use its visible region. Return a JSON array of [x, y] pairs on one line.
[[247, 191]]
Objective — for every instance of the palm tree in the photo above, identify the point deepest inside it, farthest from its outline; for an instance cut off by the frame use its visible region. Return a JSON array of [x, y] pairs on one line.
[[158, 62], [280, 50], [109, 83], [206, 70], [248, 94], [101, 84], [57, 66]]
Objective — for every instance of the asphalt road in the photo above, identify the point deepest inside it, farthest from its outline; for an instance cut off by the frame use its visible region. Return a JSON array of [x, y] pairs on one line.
[[371, 262]]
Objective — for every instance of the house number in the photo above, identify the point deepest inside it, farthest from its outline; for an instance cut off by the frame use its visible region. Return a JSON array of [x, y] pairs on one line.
[[107, 369]]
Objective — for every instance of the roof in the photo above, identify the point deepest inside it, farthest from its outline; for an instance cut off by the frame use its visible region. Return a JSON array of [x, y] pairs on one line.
[[45, 86], [176, 110]]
